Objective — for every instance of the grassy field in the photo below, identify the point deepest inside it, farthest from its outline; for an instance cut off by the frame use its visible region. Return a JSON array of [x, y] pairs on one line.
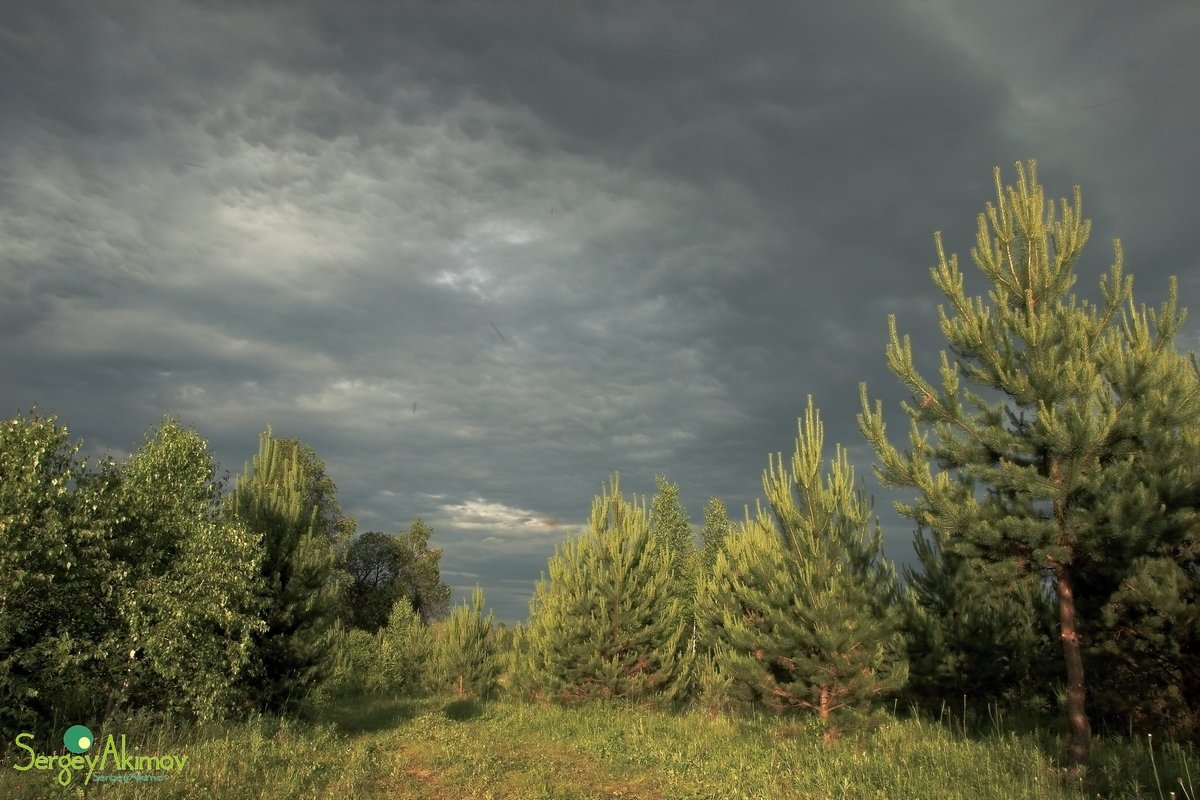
[[439, 749]]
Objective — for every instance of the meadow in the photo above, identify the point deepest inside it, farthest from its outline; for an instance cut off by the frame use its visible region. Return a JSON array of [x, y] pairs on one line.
[[441, 749]]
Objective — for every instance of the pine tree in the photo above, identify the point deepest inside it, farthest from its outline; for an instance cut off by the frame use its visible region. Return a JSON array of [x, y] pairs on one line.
[[800, 606], [466, 654], [671, 528], [354, 668], [1034, 481], [1141, 611], [404, 650], [607, 622], [518, 676], [969, 636], [299, 595], [669, 524], [716, 528]]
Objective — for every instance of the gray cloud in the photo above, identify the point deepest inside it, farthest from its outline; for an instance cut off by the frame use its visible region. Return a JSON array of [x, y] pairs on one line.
[[680, 226]]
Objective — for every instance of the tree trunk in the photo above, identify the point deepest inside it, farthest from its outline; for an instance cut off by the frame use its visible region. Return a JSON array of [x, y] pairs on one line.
[[1080, 741], [826, 703]]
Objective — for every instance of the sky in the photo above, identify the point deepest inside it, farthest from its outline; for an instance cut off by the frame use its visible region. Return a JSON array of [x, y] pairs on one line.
[[483, 255]]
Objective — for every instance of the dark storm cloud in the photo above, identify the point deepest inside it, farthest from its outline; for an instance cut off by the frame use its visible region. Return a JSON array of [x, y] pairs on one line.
[[481, 255]]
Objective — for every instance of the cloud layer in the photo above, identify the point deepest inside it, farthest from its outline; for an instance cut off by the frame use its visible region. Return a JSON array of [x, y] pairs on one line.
[[482, 255]]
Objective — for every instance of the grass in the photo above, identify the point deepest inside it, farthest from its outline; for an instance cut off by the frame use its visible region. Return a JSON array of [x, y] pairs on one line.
[[433, 748]]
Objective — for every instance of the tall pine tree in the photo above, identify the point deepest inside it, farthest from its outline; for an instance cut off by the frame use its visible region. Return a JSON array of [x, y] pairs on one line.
[[1038, 463], [670, 526], [298, 590], [800, 606], [607, 622]]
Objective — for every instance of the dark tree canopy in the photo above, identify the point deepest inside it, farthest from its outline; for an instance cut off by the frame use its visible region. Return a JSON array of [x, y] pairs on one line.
[[382, 568]]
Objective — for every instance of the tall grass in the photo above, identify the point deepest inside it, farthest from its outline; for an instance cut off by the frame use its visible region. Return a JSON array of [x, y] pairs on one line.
[[435, 748]]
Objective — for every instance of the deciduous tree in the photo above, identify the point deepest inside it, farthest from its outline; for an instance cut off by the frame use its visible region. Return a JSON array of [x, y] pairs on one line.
[[60, 633], [189, 600]]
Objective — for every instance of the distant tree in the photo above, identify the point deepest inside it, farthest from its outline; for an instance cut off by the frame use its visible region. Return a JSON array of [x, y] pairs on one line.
[[669, 524], [428, 594], [1045, 479], [467, 661], [298, 590], [800, 606], [716, 529], [374, 565], [671, 528], [607, 621], [383, 568]]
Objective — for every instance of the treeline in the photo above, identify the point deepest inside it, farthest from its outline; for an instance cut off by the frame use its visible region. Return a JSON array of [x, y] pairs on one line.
[[151, 585]]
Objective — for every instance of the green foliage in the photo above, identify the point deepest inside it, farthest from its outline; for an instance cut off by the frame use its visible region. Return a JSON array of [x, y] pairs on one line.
[[670, 526], [59, 589], [518, 677], [1146, 649], [354, 664], [425, 589], [299, 593], [404, 652], [1051, 477], [968, 635], [717, 527], [374, 567], [1141, 610], [466, 657], [383, 568], [800, 607], [608, 622], [321, 492], [189, 600]]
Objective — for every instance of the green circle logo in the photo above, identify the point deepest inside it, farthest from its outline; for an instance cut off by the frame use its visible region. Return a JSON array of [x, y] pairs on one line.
[[78, 739]]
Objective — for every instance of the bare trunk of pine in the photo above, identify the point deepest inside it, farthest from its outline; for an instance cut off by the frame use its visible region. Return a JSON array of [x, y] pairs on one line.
[[1080, 742], [826, 703], [461, 691]]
